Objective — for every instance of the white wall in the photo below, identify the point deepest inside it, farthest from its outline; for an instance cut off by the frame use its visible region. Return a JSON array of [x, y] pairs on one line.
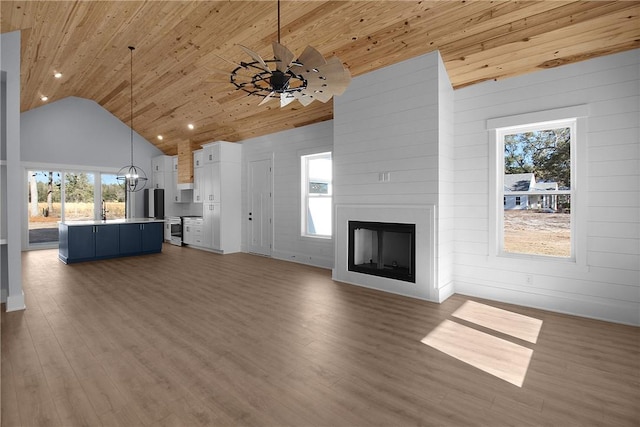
[[387, 121], [10, 63], [79, 132], [398, 120], [285, 148], [446, 197], [605, 284]]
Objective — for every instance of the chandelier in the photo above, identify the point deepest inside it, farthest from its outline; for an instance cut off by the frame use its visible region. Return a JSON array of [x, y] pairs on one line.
[[308, 78], [132, 177]]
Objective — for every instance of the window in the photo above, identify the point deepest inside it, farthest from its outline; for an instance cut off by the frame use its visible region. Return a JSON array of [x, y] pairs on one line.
[[316, 212], [537, 188], [78, 196], [112, 197], [55, 195], [44, 206]]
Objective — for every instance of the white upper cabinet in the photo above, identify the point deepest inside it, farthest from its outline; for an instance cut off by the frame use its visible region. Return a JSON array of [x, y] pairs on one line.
[[198, 176], [211, 153], [161, 164], [222, 151], [159, 180], [198, 158]]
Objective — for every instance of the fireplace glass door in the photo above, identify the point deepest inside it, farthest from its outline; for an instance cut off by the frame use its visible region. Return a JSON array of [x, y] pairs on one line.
[[382, 249]]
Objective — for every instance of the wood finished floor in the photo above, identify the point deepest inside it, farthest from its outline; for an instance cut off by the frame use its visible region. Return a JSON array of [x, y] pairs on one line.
[[188, 338]]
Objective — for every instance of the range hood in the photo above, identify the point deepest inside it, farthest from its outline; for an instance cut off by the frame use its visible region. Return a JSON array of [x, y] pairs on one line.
[[185, 166]]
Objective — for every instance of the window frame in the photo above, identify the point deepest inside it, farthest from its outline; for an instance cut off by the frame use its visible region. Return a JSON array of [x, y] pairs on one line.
[[497, 128], [304, 191], [62, 169]]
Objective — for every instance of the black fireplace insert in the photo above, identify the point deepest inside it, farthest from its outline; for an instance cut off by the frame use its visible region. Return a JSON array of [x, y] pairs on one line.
[[383, 249]]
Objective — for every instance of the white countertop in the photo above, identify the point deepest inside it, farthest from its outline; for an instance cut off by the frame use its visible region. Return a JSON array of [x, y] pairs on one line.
[[112, 221]]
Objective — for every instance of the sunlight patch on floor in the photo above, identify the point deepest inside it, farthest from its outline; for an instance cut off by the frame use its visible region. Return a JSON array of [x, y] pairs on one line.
[[500, 357], [517, 325]]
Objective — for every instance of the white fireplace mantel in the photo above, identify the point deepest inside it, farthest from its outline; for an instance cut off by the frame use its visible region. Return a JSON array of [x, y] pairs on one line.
[[423, 216]]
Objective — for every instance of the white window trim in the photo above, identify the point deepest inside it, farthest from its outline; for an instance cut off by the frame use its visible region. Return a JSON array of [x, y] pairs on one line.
[[578, 181], [302, 226], [62, 168]]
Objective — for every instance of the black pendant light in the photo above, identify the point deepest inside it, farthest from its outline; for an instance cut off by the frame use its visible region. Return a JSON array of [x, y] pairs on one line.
[[132, 177]]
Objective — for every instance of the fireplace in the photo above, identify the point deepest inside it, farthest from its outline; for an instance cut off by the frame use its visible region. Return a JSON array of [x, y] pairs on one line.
[[383, 249]]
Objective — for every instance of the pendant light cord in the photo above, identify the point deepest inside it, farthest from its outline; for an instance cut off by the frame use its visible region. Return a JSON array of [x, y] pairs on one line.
[[278, 21], [131, 48]]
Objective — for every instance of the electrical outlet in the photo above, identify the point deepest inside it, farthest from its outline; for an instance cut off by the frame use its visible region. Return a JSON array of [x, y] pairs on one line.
[[384, 176], [529, 279]]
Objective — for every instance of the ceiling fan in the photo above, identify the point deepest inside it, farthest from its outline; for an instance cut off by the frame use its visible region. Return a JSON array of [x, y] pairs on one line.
[[308, 78]]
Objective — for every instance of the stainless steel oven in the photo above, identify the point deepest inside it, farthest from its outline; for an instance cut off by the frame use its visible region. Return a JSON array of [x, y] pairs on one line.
[[175, 228]]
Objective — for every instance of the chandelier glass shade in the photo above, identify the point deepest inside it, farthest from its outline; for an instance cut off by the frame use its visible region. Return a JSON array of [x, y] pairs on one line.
[[132, 177]]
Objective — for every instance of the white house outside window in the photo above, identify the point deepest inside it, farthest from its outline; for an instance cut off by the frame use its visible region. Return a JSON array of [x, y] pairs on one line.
[[316, 195], [537, 177]]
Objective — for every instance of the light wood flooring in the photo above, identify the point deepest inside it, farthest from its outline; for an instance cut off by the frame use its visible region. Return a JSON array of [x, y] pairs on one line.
[[188, 338]]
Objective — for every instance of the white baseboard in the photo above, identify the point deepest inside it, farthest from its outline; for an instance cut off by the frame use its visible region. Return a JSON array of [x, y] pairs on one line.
[[16, 302], [624, 312], [446, 291], [304, 259]]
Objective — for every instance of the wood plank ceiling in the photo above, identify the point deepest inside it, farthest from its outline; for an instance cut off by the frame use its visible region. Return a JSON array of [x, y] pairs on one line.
[[182, 45]]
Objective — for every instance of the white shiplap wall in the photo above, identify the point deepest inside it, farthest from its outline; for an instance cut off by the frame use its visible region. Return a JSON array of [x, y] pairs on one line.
[[399, 120], [285, 148], [387, 121], [606, 284], [446, 196]]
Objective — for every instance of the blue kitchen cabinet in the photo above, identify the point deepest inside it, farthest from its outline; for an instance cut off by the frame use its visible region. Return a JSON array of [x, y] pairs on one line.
[[79, 242], [141, 238], [152, 236], [107, 240], [130, 239], [85, 242], [76, 243]]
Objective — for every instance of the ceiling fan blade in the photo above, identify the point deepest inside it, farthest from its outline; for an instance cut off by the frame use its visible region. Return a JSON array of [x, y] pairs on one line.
[[283, 55], [256, 58], [323, 96], [303, 98], [217, 71], [267, 98], [286, 99], [332, 78], [311, 59], [225, 60]]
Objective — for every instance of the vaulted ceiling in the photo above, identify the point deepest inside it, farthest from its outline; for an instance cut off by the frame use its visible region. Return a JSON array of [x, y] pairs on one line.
[[184, 50]]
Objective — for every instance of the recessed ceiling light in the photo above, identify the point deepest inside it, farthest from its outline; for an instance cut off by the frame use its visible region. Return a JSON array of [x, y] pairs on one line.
[[57, 74], [190, 126], [160, 137], [44, 98]]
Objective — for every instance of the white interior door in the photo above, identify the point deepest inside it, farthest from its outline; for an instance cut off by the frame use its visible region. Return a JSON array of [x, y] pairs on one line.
[[260, 207]]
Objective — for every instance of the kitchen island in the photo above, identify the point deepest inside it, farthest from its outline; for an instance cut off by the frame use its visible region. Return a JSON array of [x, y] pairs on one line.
[[92, 240]]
